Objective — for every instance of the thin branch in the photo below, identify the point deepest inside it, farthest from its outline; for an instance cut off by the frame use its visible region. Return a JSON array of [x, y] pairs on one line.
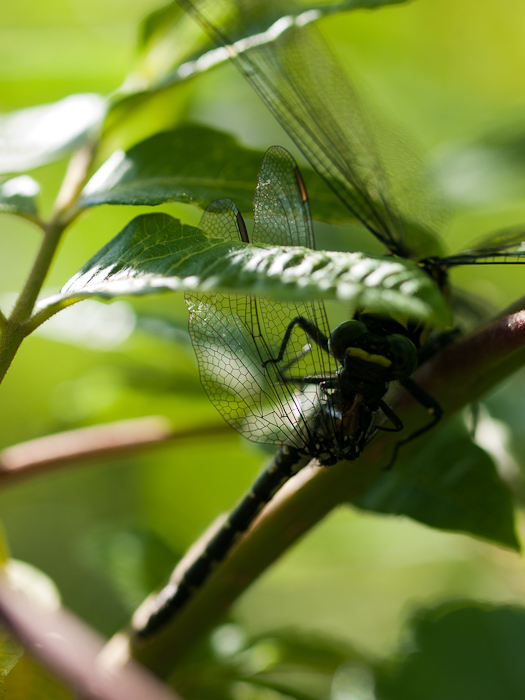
[[95, 443], [64, 213], [72, 650], [45, 313]]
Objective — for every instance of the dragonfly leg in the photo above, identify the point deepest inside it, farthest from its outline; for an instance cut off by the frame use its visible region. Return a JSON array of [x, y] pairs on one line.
[[311, 331], [432, 407], [392, 417]]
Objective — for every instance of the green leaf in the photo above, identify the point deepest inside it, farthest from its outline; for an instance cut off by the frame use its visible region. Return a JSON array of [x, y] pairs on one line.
[[300, 666], [4, 547], [257, 18], [10, 652], [457, 651], [28, 680], [487, 169], [158, 23], [449, 483], [194, 164], [157, 253], [174, 48], [167, 37], [18, 196], [31, 137]]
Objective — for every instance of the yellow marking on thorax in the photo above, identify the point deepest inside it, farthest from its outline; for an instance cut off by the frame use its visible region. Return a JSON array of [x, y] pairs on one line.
[[368, 357]]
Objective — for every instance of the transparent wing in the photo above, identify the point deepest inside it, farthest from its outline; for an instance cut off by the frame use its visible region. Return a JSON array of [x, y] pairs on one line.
[[222, 219], [234, 336], [281, 208], [499, 247], [294, 71]]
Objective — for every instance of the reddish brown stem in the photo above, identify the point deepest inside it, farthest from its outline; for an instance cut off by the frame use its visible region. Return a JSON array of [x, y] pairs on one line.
[[99, 442]]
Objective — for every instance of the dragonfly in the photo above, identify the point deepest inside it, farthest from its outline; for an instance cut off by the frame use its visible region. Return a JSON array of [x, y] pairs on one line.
[[278, 375], [294, 71]]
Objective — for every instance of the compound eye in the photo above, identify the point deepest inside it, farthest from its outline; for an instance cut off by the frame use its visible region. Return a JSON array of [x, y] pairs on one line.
[[405, 356], [343, 336]]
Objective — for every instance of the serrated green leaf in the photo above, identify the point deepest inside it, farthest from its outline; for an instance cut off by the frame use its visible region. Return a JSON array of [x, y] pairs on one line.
[[18, 196], [460, 650], [157, 253], [194, 164], [451, 484], [37, 135]]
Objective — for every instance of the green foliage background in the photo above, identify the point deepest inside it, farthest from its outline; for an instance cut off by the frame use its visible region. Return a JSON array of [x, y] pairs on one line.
[[451, 73]]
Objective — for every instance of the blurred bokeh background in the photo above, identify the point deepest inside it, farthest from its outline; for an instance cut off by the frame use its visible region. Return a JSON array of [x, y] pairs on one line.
[[451, 74]]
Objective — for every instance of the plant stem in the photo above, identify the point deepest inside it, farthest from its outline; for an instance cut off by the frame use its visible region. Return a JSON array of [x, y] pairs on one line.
[[9, 343], [14, 329], [26, 300], [99, 442]]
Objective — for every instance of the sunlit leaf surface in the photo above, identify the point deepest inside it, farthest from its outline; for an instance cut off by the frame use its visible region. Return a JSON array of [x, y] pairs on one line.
[[195, 165], [156, 253], [37, 135]]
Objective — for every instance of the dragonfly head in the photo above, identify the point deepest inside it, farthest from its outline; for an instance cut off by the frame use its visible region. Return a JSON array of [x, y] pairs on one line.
[[390, 354]]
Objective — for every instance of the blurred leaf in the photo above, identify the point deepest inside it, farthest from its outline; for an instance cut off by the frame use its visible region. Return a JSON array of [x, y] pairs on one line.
[[457, 651], [195, 165], [134, 561], [174, 48], [257, 18], [450, 483], [159, 23], [4, 549], [156, 253], [10, 652], [490, 168], [281, 661], [30, 681], [18, 196], [38, 135]]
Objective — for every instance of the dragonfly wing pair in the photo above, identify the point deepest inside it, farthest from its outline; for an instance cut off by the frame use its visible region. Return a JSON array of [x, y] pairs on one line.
[[236, 336]]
